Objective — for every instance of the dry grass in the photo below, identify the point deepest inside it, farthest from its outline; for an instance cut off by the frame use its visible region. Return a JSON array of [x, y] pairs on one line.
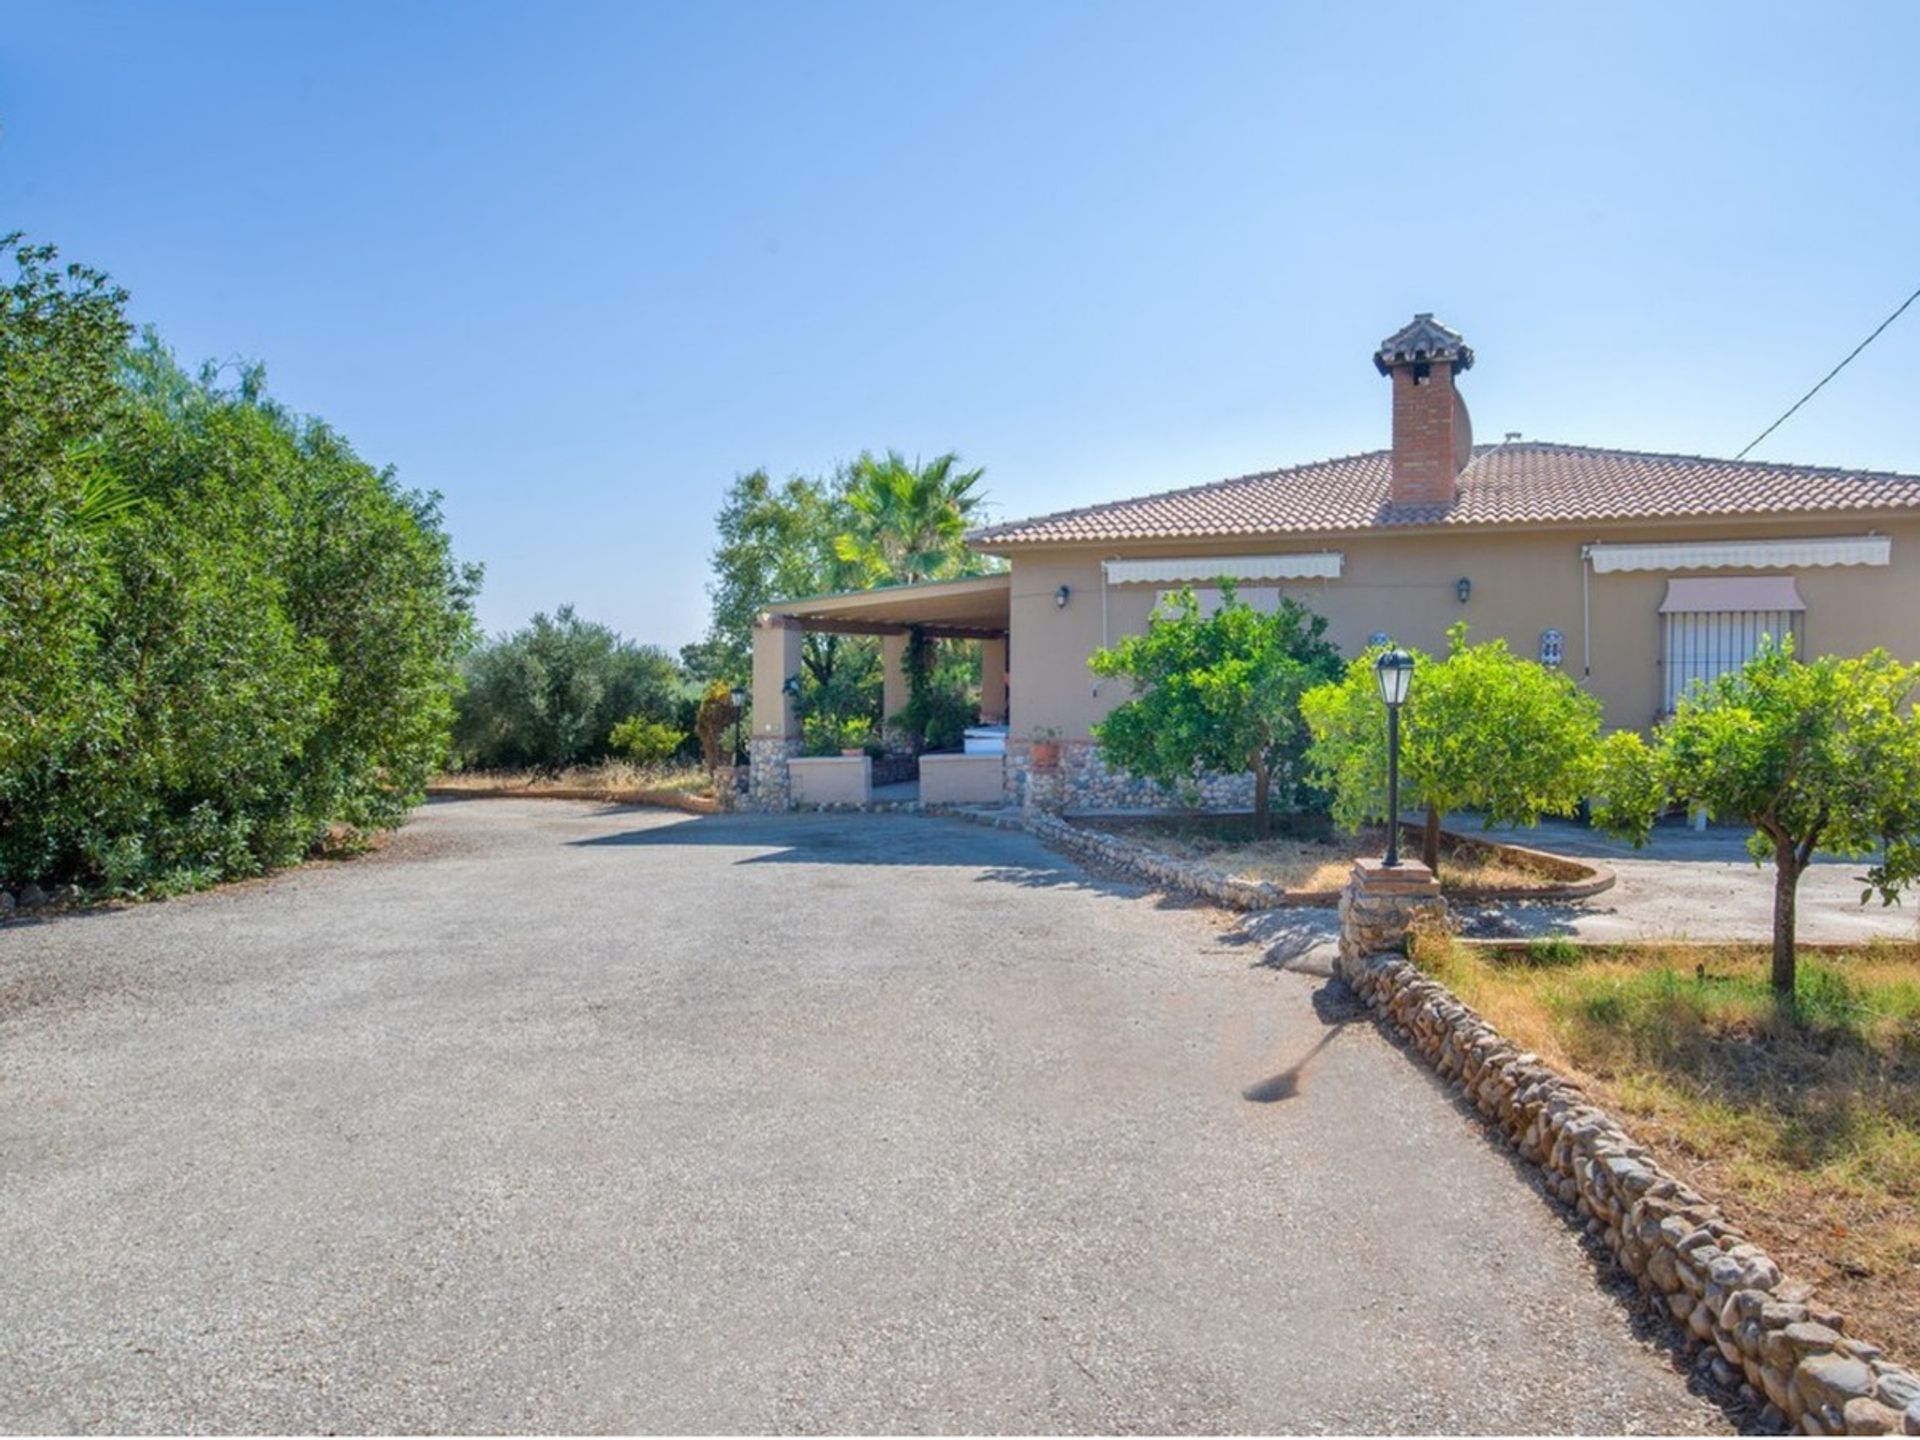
[[610, 780], [1802, 1121], [1321, 861]]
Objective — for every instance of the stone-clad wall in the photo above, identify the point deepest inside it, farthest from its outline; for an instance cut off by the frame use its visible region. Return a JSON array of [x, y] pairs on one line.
[[1084, 781], [769, 783], [1725, 1291]]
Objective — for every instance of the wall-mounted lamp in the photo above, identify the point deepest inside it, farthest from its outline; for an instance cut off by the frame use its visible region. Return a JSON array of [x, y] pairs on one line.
[[1463, 588], [1062, 595], [791, 686]]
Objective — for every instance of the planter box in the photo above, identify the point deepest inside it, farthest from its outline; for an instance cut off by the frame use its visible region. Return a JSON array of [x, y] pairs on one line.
[[962, 779], [831, 779]]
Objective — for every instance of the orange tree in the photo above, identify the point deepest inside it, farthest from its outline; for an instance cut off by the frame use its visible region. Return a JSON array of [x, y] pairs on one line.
[[1820, 755], [1217, 693], [1483, 729]]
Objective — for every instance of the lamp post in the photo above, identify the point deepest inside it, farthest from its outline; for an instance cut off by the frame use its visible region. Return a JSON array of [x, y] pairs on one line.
[[739, 698], [1394, 673]]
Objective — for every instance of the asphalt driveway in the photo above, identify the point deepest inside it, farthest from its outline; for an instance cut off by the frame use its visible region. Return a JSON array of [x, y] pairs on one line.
[[1688, 884], [560, 1117]]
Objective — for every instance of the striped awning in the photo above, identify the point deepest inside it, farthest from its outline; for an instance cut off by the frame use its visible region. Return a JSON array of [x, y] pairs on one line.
[[1744, 554]]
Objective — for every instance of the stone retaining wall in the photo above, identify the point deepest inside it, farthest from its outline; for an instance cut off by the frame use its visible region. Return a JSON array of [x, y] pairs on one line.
[[1209, 882], [1769, 1331], [1191, 877]]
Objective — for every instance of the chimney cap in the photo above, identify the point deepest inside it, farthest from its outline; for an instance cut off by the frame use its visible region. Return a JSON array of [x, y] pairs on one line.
[[1423, 339]]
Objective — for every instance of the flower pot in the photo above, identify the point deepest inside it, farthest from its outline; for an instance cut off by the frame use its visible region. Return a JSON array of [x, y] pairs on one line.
[[1045, 754]]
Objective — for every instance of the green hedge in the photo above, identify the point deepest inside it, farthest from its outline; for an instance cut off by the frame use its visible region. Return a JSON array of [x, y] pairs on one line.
[[222, 634]]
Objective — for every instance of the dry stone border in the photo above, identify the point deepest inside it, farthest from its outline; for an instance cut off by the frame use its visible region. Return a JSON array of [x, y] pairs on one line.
[[1191, 877], [1768, 1329], [1209, 882]]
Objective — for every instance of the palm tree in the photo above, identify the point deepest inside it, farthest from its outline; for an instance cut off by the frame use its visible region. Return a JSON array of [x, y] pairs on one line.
[[908, 520]]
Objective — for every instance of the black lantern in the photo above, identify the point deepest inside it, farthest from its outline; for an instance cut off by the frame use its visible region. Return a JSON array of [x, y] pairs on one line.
[[1394, 673]]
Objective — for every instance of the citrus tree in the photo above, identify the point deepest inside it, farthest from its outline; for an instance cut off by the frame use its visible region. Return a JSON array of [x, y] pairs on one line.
[[1820, 755], [1217, 693], [1483, 729]]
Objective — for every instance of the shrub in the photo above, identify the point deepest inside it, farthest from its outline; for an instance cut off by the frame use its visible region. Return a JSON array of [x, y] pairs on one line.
[[648, 742], [716, 714], [831, 734]]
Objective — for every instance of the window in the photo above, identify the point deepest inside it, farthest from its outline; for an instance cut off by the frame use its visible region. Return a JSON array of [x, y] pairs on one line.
[[1713, 626]]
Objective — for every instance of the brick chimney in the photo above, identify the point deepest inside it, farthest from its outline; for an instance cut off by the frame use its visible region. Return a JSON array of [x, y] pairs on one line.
[[1432, 436]]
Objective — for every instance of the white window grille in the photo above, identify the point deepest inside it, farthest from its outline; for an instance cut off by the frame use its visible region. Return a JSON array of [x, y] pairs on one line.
[[1715, 626]]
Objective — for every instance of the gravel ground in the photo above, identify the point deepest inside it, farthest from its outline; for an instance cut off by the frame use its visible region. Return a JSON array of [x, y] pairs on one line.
[[558, 1117]]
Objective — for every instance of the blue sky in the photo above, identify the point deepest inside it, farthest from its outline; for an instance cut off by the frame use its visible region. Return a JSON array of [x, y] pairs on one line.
[[576, 266]]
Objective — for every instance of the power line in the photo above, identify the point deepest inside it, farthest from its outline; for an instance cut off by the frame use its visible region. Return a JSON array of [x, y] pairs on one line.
[[1830, 374]]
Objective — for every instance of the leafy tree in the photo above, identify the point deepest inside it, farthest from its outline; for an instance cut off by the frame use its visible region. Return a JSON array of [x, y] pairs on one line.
[[1815, 755], [1217, 693], [776, 542], [907, 523], [1483, 729], [548, 696]]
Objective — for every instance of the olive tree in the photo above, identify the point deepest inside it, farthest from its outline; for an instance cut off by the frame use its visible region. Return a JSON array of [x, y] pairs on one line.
[[548, 695], [1483, 729], [1820, 755], [1217, 693]]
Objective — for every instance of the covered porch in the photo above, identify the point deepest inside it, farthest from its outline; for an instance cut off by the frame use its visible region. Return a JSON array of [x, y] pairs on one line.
[[782, 776]]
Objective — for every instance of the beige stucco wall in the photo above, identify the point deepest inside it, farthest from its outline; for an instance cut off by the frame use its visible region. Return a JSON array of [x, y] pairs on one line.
[[961, 779], [1523, 583], [831, 780]]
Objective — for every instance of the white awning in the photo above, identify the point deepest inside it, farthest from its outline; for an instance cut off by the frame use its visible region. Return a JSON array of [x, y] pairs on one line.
[[1318, 565], [1745, 554], [1749, 594]]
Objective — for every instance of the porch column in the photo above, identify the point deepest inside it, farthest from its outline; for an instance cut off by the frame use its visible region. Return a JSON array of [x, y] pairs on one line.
[[776, 725], [893, 686], [993, 681]]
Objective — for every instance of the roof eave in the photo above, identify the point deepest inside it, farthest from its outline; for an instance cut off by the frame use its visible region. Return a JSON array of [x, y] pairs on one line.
[[1011, 546]]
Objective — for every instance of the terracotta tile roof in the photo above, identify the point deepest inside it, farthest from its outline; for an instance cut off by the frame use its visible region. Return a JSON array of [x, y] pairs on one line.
[[1520, 483]]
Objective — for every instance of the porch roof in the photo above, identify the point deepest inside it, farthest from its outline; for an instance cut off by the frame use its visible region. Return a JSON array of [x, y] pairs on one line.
[[976, 609]]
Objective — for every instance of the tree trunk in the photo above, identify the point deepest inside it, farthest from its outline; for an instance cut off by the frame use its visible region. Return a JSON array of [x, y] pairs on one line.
[[1786, 884], [1262, 811], [1429, 840]]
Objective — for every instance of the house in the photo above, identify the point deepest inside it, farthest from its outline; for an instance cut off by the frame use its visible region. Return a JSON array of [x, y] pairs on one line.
[[1636, 573]]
